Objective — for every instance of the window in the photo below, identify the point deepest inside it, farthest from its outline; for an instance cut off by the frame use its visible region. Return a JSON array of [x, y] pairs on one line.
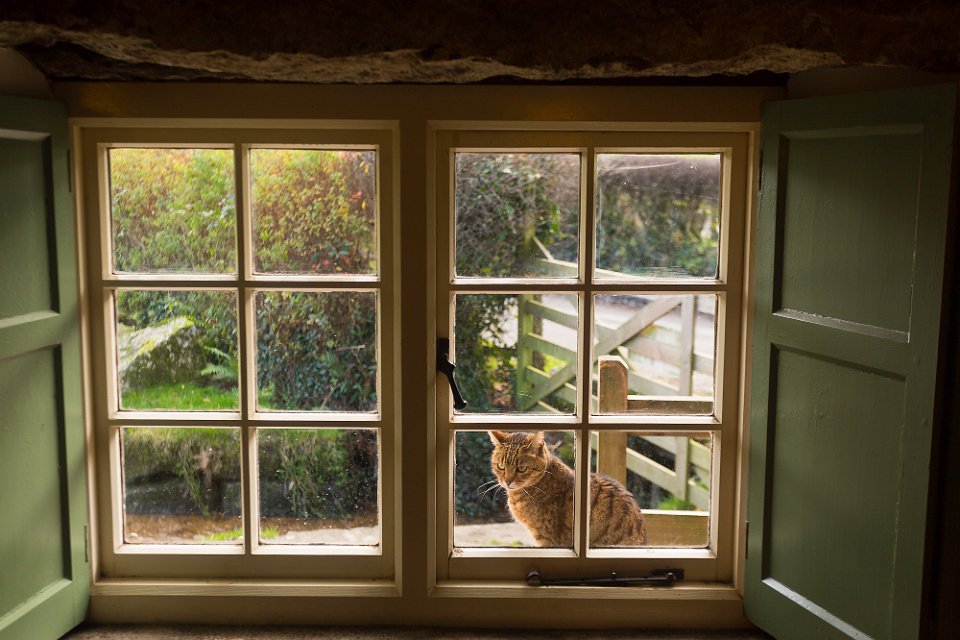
[[436, 562], [243, 327], [590, 284]]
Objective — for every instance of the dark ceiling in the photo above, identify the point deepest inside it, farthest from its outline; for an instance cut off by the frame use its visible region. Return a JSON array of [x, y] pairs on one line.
[[467, 41]]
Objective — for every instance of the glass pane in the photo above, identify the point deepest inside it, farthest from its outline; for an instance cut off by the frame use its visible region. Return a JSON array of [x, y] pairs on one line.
[[319, 486], [317, 351], [658, 215], [526, 503], [517, 353], [173, 210], [177, 350], [314, 211], [657, 353], [654, 489], [518, 214], [181, 486]]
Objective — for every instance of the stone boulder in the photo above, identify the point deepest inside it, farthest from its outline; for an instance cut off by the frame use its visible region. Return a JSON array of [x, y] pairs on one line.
[[166, 353]]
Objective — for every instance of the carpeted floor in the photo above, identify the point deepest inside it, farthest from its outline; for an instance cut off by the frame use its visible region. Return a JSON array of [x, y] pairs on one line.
[[194, 632]]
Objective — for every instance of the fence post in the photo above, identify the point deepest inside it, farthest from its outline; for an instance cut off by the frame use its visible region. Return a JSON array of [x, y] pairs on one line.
[[688, 324], [612, 398], [524, 353], [681, 466]]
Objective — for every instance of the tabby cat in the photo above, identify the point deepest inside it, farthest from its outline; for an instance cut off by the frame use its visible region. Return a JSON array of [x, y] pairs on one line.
[[540, 495]]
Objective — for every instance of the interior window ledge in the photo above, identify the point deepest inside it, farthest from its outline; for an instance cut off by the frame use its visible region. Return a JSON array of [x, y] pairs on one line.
[[246, 587], [689, 591]]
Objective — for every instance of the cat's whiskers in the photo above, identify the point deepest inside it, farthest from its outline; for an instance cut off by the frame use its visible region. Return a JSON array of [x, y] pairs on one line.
[[480, 489], [489, 489]]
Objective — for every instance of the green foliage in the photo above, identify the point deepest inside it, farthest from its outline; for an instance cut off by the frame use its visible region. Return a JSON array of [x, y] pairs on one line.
[[472, 502], [504, 201], [658, 214], [225, 370], [173, 210], [183, 397], [676, 504], [197, 456], [236, 534], [310, 473], [314, 210], [318, 351], [318, 473]]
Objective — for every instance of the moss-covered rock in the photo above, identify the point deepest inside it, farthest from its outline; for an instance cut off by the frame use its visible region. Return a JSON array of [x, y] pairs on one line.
[[163, 353]]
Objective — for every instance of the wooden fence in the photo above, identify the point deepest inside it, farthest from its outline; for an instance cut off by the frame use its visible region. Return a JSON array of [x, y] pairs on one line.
[[640, 335], [622, 386]]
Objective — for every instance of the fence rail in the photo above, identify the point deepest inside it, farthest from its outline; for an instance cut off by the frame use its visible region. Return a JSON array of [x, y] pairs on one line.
[[623, 386]]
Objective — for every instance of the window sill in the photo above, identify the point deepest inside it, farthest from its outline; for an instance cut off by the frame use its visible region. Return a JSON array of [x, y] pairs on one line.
[[688, 591], [239, 588]]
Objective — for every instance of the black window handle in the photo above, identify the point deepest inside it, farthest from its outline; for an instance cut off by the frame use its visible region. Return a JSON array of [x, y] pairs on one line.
[[447, 368]]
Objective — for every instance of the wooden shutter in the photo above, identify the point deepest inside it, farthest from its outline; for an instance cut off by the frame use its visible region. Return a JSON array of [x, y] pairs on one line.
[[44, 590], [850, 259]]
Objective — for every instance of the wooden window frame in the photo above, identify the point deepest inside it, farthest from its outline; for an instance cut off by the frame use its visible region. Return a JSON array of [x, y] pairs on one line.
[[414, 115], [457, 566], [250, 559]]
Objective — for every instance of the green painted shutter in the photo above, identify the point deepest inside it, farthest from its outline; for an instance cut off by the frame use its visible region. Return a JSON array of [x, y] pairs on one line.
[[850, 259], [44, 575]]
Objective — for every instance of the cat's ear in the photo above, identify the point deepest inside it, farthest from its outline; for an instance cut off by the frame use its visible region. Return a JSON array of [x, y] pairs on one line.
[[538, 441], [497, 437]]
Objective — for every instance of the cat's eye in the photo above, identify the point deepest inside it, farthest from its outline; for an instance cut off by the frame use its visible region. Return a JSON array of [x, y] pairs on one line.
[[521, 469], [500, 466]]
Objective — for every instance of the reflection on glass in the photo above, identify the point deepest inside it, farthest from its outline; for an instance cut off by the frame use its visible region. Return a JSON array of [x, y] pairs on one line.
[[173, 210], [181, 486], [538, 468], [517, 353], [658, 215], [314, 211], [668, 477], [317, 351], [656, 353], [177, 350], [318, 486], [517, 215]]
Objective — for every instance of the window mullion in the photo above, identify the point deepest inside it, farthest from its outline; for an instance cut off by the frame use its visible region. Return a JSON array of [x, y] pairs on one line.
[[245, 322], [586, 350]]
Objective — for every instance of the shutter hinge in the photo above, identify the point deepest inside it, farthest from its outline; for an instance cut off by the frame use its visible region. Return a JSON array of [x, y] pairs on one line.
[[760, 178], [746, 540], [86, 544]]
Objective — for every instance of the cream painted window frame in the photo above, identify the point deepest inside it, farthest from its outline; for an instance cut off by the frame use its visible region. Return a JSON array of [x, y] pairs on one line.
[[414, 113], [250, 560], [456, 568]]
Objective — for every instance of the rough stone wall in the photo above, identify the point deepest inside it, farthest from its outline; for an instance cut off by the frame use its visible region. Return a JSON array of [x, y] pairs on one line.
[[460, 41]]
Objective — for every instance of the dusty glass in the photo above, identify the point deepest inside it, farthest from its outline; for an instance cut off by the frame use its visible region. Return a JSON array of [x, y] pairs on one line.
[[517, 215], [655, 353], [517, 353], [317, 351], [181, 486], [539, 472], [314, 211], [172, 210], [657, 215], [667, 476], [318, 486], [177, 350]]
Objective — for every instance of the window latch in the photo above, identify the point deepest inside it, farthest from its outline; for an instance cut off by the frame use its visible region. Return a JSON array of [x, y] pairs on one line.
[[659, 578], [447, 368]]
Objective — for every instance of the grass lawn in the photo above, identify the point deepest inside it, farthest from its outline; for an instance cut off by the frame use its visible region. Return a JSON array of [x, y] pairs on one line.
[[181, 397]]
